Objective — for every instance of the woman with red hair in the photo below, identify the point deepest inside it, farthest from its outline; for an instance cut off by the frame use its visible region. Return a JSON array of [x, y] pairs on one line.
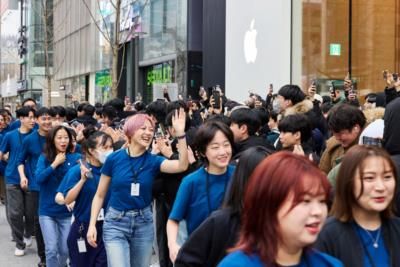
[[284, 210]]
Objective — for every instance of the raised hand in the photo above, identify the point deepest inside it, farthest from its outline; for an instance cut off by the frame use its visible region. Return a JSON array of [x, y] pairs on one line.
[[179, 122]]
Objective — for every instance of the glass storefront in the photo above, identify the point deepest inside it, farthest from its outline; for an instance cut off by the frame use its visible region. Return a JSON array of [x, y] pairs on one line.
[[341, 36], [157, 77]]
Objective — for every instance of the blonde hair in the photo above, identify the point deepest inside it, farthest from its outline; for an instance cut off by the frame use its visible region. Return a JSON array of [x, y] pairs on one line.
[[373, 114]]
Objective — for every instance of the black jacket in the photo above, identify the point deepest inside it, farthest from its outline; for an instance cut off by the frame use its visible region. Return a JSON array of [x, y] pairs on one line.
[[340, 240], [391, 133], [250, 142], [207, 245]]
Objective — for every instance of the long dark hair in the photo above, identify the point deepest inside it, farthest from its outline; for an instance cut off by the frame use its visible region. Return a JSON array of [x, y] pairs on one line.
[[50, 150], [353, 163], [248, 161]]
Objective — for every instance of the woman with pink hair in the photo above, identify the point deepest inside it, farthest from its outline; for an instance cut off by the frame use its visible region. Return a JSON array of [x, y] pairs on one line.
[[129, 174]]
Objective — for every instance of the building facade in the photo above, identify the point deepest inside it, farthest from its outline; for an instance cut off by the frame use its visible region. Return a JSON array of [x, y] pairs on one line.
[[10, 70]]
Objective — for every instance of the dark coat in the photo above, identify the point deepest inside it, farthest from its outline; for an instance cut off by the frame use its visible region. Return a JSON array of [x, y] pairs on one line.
[[207, 245], [340, 240], [252, 141]]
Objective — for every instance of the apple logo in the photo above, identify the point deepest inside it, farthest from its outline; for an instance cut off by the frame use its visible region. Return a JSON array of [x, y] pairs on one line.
[[250, 46]]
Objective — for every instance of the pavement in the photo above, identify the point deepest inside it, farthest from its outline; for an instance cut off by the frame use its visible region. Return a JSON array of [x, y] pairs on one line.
[[7, 247]]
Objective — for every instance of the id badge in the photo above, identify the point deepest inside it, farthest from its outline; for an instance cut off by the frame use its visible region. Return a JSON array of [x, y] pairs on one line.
[[81, 245], [101, 215], [135, 189]]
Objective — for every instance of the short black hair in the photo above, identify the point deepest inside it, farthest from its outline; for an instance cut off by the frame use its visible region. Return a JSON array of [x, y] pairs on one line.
[[345, 117], [219, 117], [109, 112], [99, 111], [89, 110], [57, 110], [176, 105], [42, 111], [326, 107], [70, 114], [158, 109], [28, 99], [273, 115], [206, 133], [248, 117], [80, 107], [139, 106], [292, 92], [296, 123], [263, 115], [117, 103], [24, 112]]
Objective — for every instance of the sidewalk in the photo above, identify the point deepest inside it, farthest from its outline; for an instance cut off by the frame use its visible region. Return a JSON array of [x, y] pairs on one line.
[[7, 247]]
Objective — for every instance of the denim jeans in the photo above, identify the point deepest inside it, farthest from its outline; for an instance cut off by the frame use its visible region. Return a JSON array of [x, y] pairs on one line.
[[128, 237], [21, 205], [55, 233]]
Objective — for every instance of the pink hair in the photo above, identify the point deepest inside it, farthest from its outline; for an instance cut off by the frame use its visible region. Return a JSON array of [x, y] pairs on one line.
[[134, 122]]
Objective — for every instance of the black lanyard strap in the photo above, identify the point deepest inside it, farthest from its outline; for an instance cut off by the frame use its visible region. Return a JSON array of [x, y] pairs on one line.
[[136, 172]]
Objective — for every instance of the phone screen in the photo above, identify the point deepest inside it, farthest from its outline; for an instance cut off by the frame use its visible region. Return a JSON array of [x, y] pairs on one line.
[[216, 97]]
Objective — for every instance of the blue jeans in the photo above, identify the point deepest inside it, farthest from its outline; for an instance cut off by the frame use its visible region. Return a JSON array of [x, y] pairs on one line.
[[55, 233], [128, 237]]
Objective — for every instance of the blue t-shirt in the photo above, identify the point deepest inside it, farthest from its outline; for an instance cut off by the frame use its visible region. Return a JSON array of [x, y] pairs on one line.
[[379, 255], [32, 148], [121, 168], [309, 258], [49, 180], [194, 202], [12, 143], [3, 163], [83, 202]]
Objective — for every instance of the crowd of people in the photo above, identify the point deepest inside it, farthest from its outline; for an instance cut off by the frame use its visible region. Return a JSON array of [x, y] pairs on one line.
[[292, 179]]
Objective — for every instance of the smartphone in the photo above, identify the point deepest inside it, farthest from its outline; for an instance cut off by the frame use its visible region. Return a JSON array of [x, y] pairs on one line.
[[88, 174], [216, 95], [395, 77]]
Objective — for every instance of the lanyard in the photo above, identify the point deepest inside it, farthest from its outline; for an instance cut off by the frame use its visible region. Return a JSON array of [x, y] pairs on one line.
[[208, 189], [136, 172]]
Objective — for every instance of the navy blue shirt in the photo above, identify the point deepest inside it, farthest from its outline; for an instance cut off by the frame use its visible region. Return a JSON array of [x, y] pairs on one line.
[[32, 148], [194, 201], [3, 163], [379, 255], [83, 202], [49, 180], [12, 143], [121, 168]]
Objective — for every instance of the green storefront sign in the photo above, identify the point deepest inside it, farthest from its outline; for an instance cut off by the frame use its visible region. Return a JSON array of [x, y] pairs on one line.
[[103, 86], [161, 73]]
